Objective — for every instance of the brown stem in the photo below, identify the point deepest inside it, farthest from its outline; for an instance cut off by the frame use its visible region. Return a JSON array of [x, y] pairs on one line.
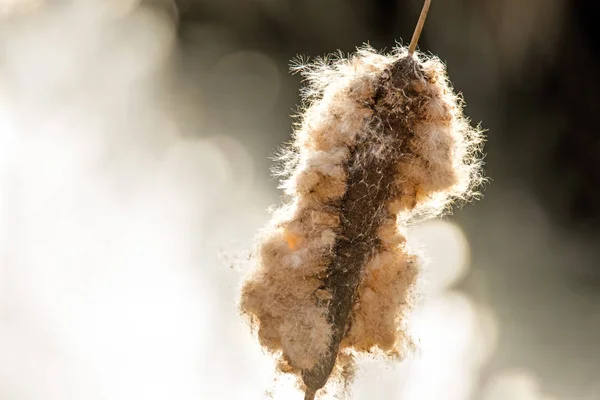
[[370, 181], [417, 33], [309, 394]]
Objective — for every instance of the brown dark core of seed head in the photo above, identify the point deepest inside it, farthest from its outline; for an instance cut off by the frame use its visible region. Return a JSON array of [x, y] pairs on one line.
[[370, 186]]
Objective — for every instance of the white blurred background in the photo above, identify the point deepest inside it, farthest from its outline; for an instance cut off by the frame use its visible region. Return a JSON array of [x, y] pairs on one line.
[[133, 176]]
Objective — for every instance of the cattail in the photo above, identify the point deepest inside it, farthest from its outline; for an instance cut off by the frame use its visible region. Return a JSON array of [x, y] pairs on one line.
[[381, 141]]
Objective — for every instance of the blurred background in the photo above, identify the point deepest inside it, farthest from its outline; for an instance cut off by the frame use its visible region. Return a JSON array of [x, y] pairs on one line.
[[135, 145]]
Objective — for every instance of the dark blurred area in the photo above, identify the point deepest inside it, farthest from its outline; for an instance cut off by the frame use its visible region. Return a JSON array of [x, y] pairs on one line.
[[528, 71], [521, 66]]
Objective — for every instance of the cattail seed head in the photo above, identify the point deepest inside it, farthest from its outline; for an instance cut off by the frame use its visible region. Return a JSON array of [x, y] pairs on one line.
[[381, 140]]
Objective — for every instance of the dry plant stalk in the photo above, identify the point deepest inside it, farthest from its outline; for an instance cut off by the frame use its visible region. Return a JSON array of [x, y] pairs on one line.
[[381, 141]]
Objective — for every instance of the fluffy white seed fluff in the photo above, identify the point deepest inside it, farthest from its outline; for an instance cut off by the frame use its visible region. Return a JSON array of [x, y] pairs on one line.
[[434, 164]]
